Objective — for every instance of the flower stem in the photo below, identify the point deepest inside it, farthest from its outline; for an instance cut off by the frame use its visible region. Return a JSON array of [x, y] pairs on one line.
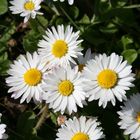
[[40, 23], [43, 117], [132, 6], [69, 18]]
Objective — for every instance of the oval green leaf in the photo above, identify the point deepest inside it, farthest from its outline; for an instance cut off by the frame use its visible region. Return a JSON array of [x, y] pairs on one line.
[[130, 55], [3, 7]]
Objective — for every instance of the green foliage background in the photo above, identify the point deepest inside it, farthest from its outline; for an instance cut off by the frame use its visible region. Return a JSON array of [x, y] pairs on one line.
[[106, 26]]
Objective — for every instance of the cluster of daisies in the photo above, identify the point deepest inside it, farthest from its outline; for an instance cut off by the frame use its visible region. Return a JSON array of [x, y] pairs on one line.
[[60, 75]]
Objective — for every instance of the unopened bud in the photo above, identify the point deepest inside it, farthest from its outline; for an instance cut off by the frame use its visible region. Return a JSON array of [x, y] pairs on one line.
[[61, 119], [12, 42]]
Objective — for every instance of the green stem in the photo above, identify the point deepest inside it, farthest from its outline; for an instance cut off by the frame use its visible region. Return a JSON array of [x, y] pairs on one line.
[[43, 117], [15, 133], [36, 107], [69, 18], [40, 24], [132, 6], [47, 9]]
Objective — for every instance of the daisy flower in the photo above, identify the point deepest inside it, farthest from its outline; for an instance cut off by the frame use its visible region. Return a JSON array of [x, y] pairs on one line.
[[26, 8], [2, 130], [27, 77], [130, 117], [64, 90], [69, 1], [107, 77], [80, 129], [60, 46], [82, 60]]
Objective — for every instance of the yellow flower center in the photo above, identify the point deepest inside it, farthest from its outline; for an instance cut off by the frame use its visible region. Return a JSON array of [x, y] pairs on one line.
[[29, 5], [107, 78], [59, 48], [81, 67], [65, 88], [80, 136], [33, 77], [138, 117]]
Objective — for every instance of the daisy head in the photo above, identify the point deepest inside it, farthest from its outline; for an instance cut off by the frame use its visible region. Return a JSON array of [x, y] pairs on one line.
[[27, 77], [60, 46], [69, 1], [64, 90], [3, 135], [26, 8], [80, 129], [107, 77], [130, 117], [83, 59]]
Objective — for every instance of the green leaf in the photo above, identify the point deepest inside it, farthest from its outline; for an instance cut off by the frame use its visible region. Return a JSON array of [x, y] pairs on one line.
[[104, 6], [4, 62], [85, 20], [74, 12], [130, 55], [25, 125], [8, 33], [126, 40], [53, 118], [59, 21], [3, 7], [118, 3], [42, 20], [48, 131], [39, 24], [126, 137], [30, 41], [94, 37], [110, 29]]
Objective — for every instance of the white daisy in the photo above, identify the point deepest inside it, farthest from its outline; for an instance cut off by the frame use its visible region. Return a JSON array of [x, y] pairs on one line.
[[82, 60], [80, 129], [3, 135], [26, 8], [130, 117], [64, 90], [107, 78], [27, 77], [60, 46], [69, 1]]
